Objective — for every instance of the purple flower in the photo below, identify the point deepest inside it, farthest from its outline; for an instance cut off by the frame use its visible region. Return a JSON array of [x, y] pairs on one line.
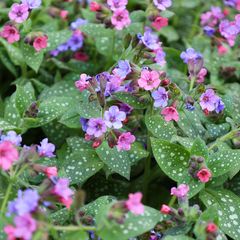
[[160, 57], [190, 54], [230, 3], [208, 100], [18, 13], [160, 97], [77, 23], [75, 42], [113, 85], [149, 39], [125, 108], [162, 4], [63, 47], [26, 202], [84, 123], [12, 137], [96, 127], [189, 107], [181, 191], [46, 149], [54, 53], [123, 69], [32, 4], [117, 4], [209, 31], [219, 106], [217, 12], [114, 117]]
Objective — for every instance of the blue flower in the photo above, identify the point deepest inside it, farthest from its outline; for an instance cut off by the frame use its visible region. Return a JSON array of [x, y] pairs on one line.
[[190, 54]]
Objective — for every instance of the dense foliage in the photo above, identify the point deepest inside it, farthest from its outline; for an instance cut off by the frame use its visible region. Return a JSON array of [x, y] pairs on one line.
[[119, 119]]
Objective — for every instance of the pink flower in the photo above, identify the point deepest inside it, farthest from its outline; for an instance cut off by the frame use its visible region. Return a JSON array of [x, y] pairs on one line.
[[24, 227], [117, 4], [204, 175], [211, 228], [170, 113], [51, 171], [83, 82], [10, 33], [120, 19], [124, 141], [149, 80], [8, 155], [201, 75], [160, 22], [165, 209], [134, 204], [94, 7], [18, 13], [222, 50], [40, 43], [181, 191], [62, 190], [63, 14]]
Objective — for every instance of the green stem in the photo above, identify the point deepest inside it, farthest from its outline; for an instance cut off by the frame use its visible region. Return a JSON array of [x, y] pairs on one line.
[[5, 200], [172, 201], [73, 228], [192, 84]]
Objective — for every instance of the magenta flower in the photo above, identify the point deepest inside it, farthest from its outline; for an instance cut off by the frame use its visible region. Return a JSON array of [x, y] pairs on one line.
[[114, 117], [124, 141], [181, 191], [134, 204], [40, 43], [204, 175], [12, 137], [51, 172], [208, 100], [149, 80], [24, 228], [160, 22], [46, 149], [18, 13], [117, 4], [170, 113], [120, 19], [96, 127], [10, 33], [62, 190], [160, 97], [8, 155], [162, 4], [83, 82]]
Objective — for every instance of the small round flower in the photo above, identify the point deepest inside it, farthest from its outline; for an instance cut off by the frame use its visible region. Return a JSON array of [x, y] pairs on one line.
[[149, 80], [51, 172], [211, 228], [160, 97], [124, 141], [170, 113], [190, 54], [18, 13], [134, 204], [181, 191], [12, 137], [123, 69], [10, 33], [204, 175], [40, 43], [114, 117], [83, 82], [150, 39], [32, 4], [165, 209], [160, 22], [96, 127], [162, 4], [120, 19], [208, 100], [8, 155], [46, 149]]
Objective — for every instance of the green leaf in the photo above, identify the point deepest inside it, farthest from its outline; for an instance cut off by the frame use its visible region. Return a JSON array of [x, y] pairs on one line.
[[96, 30], [132, 227], [32, 58], [137, 152], [169, 33], [173, 159], [224, 161], [118, 162], [214, 131], [185, 142], [228, 205], [159, 127], [105, 45], [177, 237], [71, 119], [7, 63], [57, 38], [24, 97], [130, 100], [199, 148], [73, 235], [4, 125], [60, 217]]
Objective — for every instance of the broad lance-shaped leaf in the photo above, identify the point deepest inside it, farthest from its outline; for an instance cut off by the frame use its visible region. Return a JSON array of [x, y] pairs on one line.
[[4, 125], [177, 237], [137, 152], [32, 58], [160, 128], [79, 166], [224, 161], [73, 235], [173, 159], [228, 205], [118, 162], [199, 148], [133, 225], [60, 217], [24, 97], [214, 131]]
